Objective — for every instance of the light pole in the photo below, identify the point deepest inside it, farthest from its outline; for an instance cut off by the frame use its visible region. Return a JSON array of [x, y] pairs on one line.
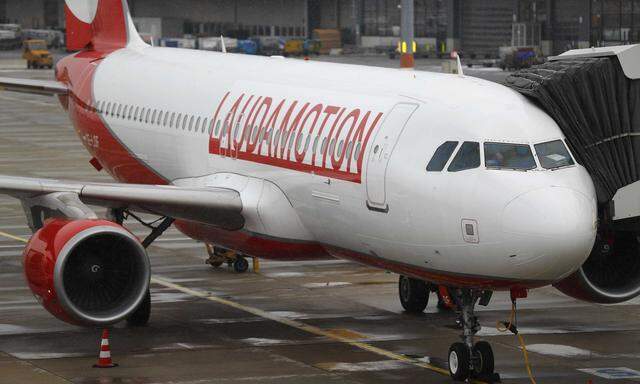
[[407, 45]]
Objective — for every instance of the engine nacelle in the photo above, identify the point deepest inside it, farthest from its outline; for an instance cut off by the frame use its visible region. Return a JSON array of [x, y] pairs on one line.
[[87, 272], [611, 274]]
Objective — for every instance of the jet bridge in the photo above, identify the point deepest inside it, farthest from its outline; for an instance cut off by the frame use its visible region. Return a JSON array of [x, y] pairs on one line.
[[594, 95]]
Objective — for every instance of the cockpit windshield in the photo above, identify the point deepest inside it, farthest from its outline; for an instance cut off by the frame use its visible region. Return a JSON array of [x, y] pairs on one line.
[[508, 156], [553, 154]]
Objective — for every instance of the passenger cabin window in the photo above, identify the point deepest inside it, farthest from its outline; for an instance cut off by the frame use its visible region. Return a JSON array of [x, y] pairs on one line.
[[508, 156], [468, 157], [441, 156], [553, 154]]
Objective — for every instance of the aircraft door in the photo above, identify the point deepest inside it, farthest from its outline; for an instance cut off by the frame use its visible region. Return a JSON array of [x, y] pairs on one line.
[[380, 153]]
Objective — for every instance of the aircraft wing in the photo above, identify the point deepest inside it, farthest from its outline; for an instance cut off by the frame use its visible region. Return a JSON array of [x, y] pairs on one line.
[[41, 87], [220, 207]]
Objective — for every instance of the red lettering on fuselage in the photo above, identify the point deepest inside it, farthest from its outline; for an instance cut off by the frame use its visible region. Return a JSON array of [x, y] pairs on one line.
[[294, 134]]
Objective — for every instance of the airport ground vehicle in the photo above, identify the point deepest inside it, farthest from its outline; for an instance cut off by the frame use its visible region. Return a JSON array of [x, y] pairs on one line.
[[519, 58], [10, 36], [36, 54], [291, 159], [299, 47]]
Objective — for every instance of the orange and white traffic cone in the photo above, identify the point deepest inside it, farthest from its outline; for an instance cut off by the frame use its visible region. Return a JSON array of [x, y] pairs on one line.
[[104, 359]]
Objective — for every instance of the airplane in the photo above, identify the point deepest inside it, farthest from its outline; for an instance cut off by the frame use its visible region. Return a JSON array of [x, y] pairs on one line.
[[459, 185]]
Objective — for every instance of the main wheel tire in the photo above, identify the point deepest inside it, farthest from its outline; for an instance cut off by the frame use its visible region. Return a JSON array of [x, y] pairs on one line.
[[140, 317], [414, 294], [29, 65], [459, 361], [484, 360], [241, 265]]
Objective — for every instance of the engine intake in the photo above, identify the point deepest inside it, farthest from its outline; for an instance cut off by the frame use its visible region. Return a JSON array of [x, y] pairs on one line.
[[611, 274], [91, 272]]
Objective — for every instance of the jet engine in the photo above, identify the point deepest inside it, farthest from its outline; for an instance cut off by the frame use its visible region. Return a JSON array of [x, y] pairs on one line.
[[87, 272], [611, 274]]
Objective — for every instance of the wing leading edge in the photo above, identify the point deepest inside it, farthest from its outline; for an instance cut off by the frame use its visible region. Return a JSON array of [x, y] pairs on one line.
[[40, 87], [220, 207]]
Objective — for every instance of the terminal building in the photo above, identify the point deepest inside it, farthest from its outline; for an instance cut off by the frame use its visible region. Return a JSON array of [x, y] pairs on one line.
[[477, 27]]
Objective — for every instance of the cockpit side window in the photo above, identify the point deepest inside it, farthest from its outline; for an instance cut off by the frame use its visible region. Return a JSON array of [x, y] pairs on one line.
[[508, 156], [553, 154], [468, 157], [441, 156]]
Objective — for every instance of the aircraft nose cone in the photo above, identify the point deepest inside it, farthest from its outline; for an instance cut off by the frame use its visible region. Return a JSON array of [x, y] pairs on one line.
[[550, 231], [553, 211]]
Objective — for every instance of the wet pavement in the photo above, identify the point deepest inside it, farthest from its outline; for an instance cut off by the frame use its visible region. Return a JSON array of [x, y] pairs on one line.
[[298, 322]]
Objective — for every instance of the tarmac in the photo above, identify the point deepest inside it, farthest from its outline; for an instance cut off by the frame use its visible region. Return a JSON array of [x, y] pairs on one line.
[[290, 322]]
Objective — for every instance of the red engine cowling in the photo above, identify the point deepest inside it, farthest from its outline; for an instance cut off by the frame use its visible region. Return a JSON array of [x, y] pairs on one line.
[[611, 274], [87, 272]]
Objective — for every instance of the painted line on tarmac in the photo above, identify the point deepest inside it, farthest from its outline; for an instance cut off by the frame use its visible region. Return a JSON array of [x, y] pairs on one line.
[[329, 334], [12, 237]]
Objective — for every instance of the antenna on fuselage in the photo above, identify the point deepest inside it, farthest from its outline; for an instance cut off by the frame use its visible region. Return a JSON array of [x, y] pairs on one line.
[[222, 46]]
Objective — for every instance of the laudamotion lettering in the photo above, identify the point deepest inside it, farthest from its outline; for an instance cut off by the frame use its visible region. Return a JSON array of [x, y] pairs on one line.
[[324, 139]]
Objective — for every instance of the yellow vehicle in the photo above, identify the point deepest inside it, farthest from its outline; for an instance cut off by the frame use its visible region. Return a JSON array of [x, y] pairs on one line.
[[299, 47], [37, 54], [293, 47]]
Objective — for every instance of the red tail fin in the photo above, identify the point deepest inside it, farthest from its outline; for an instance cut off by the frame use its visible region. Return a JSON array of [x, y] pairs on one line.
[[99, 24]]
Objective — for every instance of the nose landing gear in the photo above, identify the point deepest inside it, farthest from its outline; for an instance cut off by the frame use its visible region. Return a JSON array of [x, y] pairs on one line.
[[465, 358]]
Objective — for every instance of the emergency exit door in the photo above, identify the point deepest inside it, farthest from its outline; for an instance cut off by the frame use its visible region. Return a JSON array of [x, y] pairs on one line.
[[380, 152]]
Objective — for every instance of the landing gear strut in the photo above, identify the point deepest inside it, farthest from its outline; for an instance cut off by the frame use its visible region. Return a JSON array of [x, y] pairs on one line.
[[467, 359]]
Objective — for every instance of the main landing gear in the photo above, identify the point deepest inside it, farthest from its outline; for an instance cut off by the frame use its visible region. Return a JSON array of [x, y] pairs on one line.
[[140, 317], [414, 295], [219, 256], [466, 359]]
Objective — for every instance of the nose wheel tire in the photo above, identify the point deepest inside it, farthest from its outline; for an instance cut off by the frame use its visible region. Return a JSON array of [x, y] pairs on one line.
[[459, 362], [414, 294], [483, 359], [240, 265], [140, 317]]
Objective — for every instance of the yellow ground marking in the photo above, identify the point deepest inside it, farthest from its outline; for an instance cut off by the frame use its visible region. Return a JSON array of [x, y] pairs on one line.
[[347, 333], [328, 333], [9, 236]]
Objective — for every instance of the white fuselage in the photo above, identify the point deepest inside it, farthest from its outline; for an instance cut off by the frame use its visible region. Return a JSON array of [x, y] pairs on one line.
[[348, 193]]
